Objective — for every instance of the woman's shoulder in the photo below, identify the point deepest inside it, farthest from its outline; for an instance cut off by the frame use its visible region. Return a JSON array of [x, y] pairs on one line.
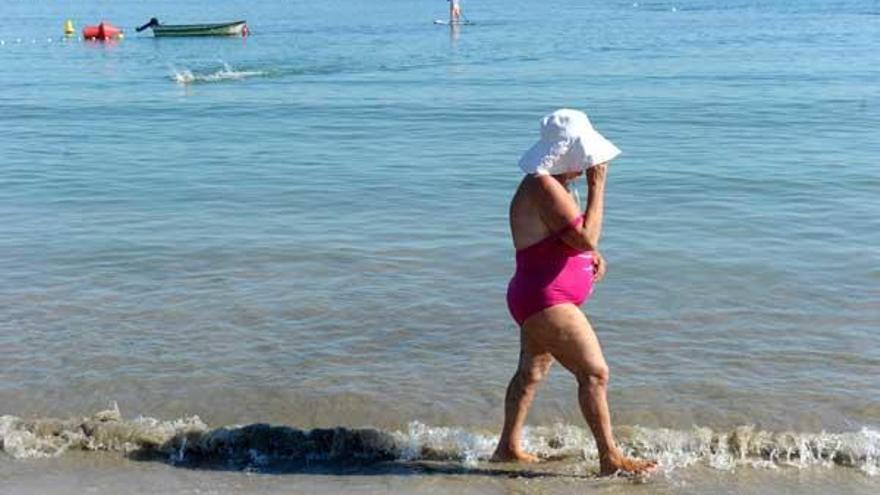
[[544, 192], [534, 187]]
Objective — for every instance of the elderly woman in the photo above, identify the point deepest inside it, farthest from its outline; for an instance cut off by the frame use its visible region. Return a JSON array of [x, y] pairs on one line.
[[557, 262]]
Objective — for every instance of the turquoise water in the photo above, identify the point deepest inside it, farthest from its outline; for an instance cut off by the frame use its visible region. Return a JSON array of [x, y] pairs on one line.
[[308, 226]]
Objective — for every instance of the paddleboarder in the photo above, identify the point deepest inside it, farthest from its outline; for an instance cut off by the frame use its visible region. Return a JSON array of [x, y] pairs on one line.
[[454, 11]]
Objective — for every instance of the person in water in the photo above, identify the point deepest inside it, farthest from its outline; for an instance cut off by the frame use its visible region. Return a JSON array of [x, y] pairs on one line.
[[454, 11], [557, 263]]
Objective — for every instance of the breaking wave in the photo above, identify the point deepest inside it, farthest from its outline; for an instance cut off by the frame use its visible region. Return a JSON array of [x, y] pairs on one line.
[[227, 73], [190, 442]]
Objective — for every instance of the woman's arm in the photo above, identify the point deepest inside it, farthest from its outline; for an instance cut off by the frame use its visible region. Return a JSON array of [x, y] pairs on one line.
[[558, 210], [595, 210]]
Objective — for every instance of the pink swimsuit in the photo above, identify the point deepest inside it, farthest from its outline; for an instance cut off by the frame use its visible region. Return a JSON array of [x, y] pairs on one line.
[[548, 273]]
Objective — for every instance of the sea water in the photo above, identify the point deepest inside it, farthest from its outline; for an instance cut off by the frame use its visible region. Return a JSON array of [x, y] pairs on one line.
[[307, 228]]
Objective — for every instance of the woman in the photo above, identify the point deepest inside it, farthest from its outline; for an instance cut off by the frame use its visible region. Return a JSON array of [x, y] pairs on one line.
[[557, 262]]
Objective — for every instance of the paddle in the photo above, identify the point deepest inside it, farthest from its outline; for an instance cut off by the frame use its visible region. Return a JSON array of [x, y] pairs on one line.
[[153, 23]]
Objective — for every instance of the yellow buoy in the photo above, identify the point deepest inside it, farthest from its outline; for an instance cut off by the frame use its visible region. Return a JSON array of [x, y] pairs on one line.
[[68, 28]]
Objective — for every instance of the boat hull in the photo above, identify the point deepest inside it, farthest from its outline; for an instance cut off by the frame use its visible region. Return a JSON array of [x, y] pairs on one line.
[[238, 28]]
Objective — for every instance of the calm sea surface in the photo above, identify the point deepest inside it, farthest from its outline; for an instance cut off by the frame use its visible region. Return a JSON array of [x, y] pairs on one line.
[[307, 227]]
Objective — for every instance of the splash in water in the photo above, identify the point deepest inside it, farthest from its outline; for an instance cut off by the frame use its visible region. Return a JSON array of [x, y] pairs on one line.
[[227, 73]]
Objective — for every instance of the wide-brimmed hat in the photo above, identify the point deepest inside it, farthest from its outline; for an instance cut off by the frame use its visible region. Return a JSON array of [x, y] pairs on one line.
[[568, 144]]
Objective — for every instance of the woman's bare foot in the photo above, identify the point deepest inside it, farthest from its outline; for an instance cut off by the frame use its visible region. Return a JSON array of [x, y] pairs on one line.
[[618, 464], [507, 455]]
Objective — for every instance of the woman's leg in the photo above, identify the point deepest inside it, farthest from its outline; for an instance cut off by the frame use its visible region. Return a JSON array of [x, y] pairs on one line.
[[534, 364], [564, 333], [573, 343]]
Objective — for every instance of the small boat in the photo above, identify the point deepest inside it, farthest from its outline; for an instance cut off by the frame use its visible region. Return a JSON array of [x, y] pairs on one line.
[[237, 28]]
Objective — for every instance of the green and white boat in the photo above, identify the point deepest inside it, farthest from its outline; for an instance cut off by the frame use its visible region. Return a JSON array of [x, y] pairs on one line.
[[237, 28]]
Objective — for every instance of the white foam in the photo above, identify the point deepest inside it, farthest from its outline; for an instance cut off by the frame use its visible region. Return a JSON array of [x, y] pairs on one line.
[[422, 441], [675, 449], [868, 443], [227, 73], [105, 431]]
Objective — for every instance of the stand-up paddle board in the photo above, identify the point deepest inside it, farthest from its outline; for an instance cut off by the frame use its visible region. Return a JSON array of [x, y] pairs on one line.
[[441, 22]]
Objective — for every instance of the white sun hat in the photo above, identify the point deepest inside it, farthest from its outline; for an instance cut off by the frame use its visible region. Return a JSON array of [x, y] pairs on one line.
[[568, 144]]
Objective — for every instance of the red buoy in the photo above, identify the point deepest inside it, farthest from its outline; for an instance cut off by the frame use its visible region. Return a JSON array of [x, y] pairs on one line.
[[102, 32]]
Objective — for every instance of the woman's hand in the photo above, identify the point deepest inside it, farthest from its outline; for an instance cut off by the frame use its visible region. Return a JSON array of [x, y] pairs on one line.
[[599, 266], [596, 175]]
